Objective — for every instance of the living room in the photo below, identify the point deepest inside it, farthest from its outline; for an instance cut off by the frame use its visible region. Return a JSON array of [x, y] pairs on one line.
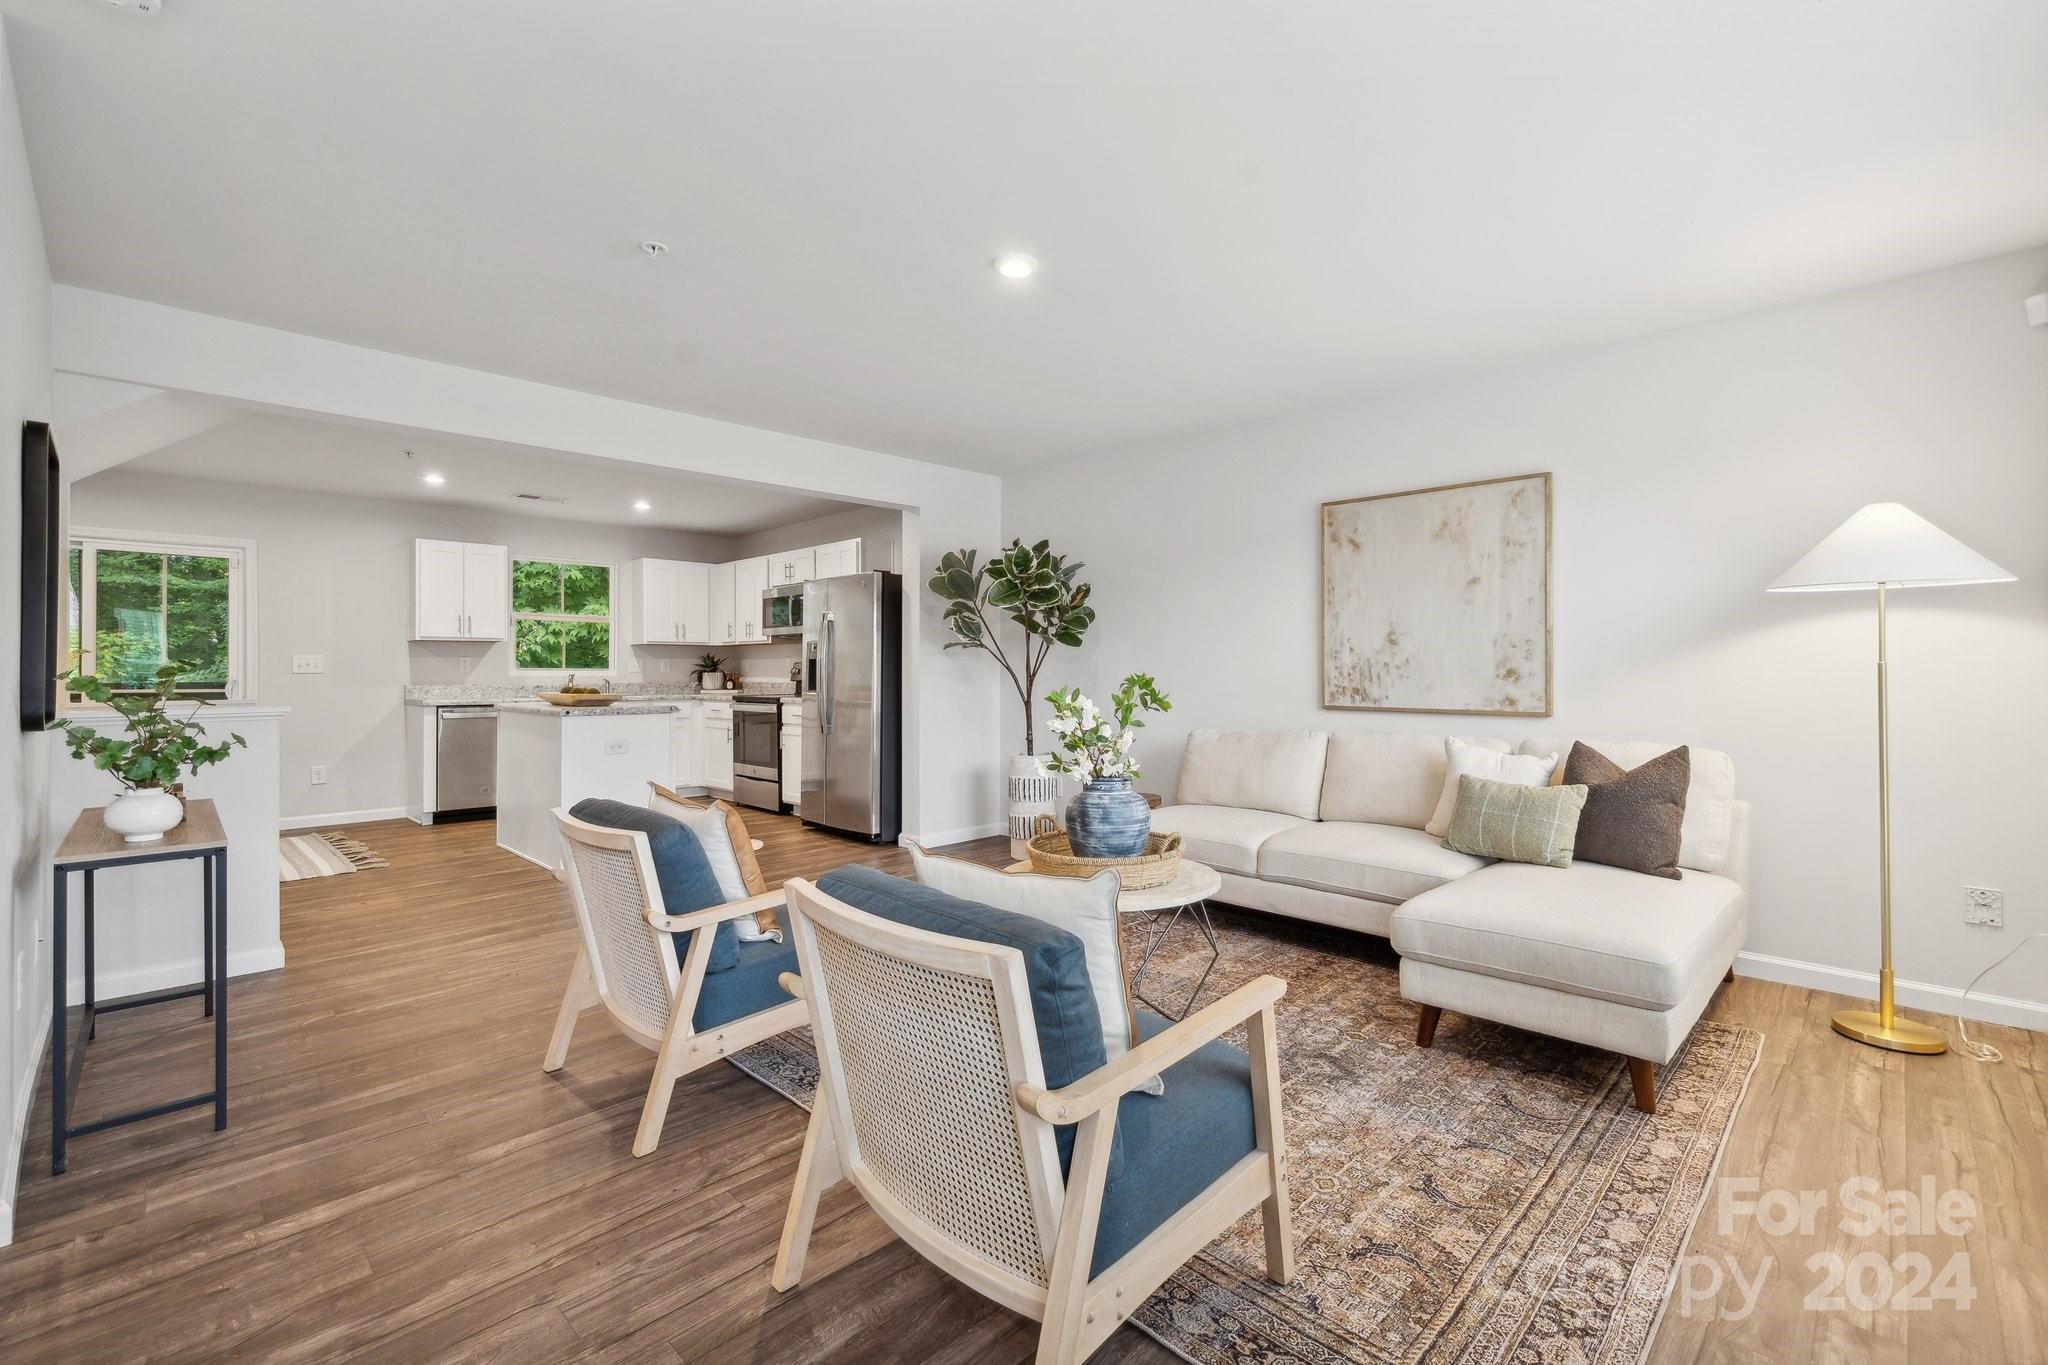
[[1404, 851]]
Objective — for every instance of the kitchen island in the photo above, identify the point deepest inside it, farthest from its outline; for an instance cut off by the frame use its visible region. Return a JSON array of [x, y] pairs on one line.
[[550, 756]]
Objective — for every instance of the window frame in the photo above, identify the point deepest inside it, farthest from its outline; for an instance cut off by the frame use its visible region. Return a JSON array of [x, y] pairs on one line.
[[241, 557], [610, 619]]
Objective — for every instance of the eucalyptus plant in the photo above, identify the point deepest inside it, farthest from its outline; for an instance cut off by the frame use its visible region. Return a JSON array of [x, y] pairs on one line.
[[160, 748], [1032, 586]]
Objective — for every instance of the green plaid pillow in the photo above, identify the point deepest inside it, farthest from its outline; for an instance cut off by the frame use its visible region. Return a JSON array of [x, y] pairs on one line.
[[1514, 823]]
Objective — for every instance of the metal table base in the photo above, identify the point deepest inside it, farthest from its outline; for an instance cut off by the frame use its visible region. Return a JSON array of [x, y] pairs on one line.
[[1159, 934]]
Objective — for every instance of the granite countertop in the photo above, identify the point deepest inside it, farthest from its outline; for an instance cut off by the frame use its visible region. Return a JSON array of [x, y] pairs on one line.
[[489, 694], [629, 707]]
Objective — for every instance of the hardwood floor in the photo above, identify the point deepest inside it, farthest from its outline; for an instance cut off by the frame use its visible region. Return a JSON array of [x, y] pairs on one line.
[[401, 1182]]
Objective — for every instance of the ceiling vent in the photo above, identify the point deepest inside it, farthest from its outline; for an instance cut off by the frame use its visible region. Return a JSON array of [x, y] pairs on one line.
[[538, 497]]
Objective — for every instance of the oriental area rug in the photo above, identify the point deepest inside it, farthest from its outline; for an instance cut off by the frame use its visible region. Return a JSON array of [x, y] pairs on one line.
[[1494, 1198]]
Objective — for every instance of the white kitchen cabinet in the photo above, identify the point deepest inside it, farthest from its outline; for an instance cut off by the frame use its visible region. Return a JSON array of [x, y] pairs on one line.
[[836, 560], [460, 591], [791, 566], [724, 623], [687, 741], [792, 753], [671, 599], [714, 750], [749, 581]]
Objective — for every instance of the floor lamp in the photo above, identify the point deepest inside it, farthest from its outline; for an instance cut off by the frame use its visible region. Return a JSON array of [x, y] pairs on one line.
[[1885, 546]]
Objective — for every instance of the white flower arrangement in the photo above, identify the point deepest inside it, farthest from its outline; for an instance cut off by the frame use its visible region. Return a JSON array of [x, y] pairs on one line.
[[1093, 745]]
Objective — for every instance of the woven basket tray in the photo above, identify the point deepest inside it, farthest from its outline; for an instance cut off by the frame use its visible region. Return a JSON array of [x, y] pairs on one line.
[[1052, 855]]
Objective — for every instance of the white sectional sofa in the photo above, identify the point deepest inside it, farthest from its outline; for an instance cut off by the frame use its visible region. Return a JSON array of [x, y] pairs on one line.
[[1330, 828]]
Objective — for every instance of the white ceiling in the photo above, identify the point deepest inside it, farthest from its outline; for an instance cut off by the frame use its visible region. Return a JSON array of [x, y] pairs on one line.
[[276, 451], [1240, 207]]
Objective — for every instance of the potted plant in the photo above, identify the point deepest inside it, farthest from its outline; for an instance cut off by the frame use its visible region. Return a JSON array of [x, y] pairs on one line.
[[711, 673], [1035, 588], [1109, 818], [153, 760]]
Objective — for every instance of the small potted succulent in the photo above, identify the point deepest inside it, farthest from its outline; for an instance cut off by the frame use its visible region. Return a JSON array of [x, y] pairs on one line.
[[152, 761], [711, 673], [1108, 819]]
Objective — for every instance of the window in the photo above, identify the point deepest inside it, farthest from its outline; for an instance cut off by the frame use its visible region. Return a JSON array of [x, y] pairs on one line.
[[137, 605], [561, 615]]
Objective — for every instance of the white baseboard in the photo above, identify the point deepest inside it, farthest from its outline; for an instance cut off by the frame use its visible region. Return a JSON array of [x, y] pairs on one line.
[[17, 1129], [940, 838], [341, 817], [162, 976], [1991, 1009]]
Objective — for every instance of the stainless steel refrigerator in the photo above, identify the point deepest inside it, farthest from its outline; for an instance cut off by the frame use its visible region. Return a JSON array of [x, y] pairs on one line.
[[852, 750]]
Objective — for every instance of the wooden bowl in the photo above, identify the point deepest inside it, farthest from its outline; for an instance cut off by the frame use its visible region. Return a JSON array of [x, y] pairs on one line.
[[578, 698]]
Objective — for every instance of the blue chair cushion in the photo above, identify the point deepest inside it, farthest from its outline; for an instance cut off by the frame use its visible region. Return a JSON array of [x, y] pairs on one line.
[[752, 985], [687, 881], [1171, 1147], [1055, 966]]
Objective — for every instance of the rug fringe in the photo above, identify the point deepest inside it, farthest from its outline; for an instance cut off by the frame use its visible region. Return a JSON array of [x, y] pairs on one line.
[[360, 855]]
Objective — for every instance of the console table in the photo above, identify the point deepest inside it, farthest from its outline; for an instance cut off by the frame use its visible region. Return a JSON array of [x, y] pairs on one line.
[[89, 848]]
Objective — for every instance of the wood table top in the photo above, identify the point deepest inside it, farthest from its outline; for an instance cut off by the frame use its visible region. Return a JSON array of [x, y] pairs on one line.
[[90, 840]]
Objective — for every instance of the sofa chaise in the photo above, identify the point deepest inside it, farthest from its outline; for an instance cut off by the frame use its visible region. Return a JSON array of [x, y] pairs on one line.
[[1329, 828]]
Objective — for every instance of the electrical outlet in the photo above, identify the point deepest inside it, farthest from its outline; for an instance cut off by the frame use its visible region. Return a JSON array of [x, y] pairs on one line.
[[319, 774], [464, 663], [1982, 905], [309, 663], [615, 747], [665, 665]]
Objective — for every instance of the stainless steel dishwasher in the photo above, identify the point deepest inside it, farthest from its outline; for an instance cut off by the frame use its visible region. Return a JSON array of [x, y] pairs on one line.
[[466, 760]]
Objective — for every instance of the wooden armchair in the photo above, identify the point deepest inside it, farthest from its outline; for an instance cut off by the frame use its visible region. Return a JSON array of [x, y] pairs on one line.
[[932, 1103], [686, 1015]]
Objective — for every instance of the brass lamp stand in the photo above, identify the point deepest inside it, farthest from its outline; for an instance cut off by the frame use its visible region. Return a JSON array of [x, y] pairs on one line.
[[1883, 1027]]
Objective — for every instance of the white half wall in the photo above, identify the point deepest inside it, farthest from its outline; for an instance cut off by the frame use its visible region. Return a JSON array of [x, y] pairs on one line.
[[25, 389], [951, 777], [1691, 468]]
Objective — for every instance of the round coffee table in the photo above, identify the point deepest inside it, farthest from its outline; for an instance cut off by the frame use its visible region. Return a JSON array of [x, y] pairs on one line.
[[1186, 895]]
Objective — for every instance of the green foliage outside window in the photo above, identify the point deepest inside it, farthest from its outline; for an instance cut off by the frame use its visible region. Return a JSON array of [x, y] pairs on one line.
[[561, 615], [151, 608]]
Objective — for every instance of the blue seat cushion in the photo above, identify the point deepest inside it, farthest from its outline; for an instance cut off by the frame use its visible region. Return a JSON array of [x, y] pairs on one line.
[[687, 881], [1055, 965], [752, 985], [1171, 1147]]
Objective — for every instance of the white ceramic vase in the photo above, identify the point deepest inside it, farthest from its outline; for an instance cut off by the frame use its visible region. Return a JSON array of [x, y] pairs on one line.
[[1031, 794], [142, 817], [713, 682]]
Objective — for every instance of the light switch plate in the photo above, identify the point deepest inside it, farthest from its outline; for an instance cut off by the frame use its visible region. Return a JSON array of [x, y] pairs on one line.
[[309, 663]]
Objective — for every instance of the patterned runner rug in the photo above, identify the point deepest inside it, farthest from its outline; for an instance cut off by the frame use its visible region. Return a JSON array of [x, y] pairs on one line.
[[1494, 1198], [303, 856]]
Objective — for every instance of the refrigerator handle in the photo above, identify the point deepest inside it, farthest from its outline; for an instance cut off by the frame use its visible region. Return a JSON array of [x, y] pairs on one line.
[[827, 669]]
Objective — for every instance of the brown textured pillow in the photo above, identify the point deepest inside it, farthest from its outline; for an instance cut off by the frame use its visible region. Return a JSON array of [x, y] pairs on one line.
[[1633, 816]]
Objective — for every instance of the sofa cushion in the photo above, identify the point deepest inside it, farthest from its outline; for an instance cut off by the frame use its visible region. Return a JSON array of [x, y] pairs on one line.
[[687, 881], [1586, 929], [1393, 779], [1516, 824], [1281, 771], [1385, 862], [1709, 795], [1169, 1149], [1223, 837], [754, 982], [1477, 760]]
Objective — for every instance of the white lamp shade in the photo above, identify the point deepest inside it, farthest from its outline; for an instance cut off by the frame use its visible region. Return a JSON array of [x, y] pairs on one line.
[[1888, 544]]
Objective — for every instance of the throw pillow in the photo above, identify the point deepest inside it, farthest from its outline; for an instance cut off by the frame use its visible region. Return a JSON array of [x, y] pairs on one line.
[[1634, 816], [1516, 823], [1085, 909], [680, 866], [1462, 759], [731, 853]]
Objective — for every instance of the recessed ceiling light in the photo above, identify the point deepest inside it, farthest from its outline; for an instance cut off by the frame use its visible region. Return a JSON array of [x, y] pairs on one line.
[[642, 505], [653, 248], [1015, 266], [432, 480]]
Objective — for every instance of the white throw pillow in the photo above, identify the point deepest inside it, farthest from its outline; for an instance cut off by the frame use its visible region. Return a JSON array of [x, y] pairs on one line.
[[1085, 909], [1469, 760], [708, 824]]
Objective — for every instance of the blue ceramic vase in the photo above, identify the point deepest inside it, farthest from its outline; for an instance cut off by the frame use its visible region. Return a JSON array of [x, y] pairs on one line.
[[1108, 819]]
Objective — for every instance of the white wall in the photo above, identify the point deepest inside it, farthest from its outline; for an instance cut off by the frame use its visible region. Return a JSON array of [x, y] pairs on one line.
[[1691, 468], [334, 578], [24, 760]]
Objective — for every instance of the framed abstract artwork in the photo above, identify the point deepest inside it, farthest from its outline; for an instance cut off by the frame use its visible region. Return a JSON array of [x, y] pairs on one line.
[[1438, 599]]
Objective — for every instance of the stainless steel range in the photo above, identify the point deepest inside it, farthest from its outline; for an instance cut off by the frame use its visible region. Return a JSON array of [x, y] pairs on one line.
[[757, 752]]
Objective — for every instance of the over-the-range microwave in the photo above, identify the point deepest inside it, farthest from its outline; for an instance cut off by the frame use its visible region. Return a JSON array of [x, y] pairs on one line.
[[782, 610]]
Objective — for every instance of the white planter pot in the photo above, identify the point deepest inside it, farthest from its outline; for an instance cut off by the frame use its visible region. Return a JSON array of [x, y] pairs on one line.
[[142, 817], [1030, 796], [713, 682]]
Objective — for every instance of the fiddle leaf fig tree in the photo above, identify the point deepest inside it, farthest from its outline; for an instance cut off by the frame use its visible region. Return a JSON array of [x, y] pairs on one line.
[[1032, 586]]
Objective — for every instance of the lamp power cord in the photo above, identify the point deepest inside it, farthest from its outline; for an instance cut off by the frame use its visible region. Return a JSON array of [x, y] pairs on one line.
[[1966, 1045]]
